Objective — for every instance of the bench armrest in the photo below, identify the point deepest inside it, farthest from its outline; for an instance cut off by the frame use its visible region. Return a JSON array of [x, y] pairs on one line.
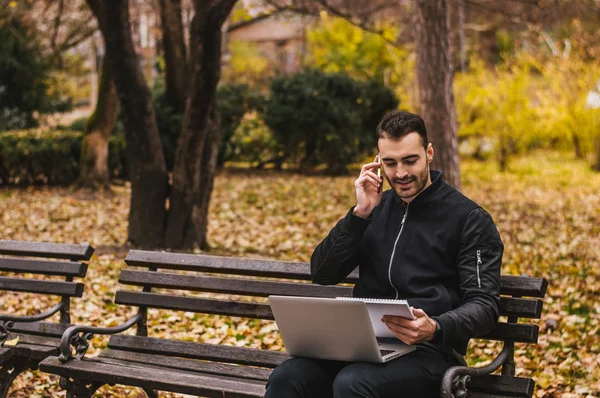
[[454, 383], [7, 321], [78, 336]]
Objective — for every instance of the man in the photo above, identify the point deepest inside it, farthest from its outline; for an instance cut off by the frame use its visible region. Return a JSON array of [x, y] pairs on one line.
[[422, 241]]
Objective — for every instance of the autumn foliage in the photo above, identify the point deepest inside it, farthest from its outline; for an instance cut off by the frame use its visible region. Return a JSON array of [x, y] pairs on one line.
[[547, 210]]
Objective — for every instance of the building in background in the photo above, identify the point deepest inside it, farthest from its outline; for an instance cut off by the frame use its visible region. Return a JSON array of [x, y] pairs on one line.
[[280, 37]]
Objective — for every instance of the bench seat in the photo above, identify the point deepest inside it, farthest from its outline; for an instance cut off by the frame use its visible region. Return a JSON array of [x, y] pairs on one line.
[[149, 376]]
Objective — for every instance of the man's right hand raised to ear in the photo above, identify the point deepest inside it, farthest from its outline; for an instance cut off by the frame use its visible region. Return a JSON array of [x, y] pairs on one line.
[[366, 186]]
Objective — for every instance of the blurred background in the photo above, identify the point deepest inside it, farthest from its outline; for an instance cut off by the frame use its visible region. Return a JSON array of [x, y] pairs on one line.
[[302, 86]]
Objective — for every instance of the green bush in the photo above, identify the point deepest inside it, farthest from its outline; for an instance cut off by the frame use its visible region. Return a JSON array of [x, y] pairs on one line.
[[233, 102], [25, 77], [253, 141], [318, 117], [50, 157], [78, 124]]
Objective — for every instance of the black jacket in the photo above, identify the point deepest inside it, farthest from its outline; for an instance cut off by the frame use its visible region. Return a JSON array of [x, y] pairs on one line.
[[442, 253]]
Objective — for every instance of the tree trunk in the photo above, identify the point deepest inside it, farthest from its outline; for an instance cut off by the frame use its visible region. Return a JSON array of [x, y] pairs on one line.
[[195, 160], [175, 54], [94, 148], [596, 161], [577, 146], [462, 39], [504, 153], [147, 168], [198, 234], [436, 97]]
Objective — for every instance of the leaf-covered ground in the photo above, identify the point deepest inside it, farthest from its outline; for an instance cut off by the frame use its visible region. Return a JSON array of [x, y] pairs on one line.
[[547, 210]]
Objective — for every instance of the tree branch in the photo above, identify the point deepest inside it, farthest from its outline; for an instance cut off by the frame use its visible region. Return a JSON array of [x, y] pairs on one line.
[[308, 8], [57, 21]]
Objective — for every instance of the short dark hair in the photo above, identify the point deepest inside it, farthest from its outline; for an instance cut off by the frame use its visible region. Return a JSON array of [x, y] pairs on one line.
[[397, 124]]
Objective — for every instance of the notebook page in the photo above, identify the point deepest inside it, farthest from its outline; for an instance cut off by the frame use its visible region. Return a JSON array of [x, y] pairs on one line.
[[377, 308]]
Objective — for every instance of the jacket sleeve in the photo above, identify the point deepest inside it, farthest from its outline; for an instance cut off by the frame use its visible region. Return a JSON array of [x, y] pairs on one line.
[[478, 263], [337, 255]]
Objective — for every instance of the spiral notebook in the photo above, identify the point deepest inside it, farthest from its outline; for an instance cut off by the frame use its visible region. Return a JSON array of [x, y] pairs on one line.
[[377, 308]]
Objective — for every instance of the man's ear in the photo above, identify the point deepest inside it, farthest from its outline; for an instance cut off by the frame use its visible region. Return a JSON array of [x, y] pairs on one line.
[[429, 153]]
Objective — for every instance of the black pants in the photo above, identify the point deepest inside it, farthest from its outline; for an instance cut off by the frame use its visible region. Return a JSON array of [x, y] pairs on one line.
[[417, 374]]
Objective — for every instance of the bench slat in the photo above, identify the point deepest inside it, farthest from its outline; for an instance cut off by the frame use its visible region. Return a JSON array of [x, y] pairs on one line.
[[204, 351], [223, 265], [522, 308], [194, 304], [36, 352], [502, 385], [229, 285], [48, 250], [32, 347], [36, 340], [245, 372], [509, 284], [523, 286], [40, 328], [59, 268], [522, 333], [176, 381], [59, 288]]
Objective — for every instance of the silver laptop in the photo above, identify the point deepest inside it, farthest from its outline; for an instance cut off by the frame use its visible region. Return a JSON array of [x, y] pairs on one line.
[[326, 328]]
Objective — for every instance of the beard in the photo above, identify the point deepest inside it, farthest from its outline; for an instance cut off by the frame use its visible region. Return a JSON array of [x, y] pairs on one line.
[[417, 184]]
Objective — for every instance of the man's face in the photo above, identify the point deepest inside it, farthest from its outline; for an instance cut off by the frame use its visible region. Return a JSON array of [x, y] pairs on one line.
[[406, 164]]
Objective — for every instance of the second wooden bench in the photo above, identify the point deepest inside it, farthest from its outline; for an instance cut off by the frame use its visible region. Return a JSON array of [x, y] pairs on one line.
[[25, 340]]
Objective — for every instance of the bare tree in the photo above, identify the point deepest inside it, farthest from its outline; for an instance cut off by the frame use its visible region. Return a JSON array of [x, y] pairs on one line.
[[64, 25], [462, 39], [175, 54], [436, 95], [195, 161], [147, 168], [94, 147]]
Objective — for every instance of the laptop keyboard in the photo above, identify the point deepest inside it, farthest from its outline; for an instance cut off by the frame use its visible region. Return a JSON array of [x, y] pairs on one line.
[[385, 352], [388, 340]]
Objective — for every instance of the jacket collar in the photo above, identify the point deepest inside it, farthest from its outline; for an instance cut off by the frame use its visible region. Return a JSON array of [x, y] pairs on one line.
[[426, 195]]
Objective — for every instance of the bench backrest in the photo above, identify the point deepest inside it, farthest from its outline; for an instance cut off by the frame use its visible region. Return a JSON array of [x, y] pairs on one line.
[[28, 263], [521, 298], [225, 275]]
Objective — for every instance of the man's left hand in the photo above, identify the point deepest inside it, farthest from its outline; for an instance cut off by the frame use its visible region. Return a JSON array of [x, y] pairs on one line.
[[411, 331]]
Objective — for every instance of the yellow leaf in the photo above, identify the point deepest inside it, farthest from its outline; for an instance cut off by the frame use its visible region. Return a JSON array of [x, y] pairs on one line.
[[11, 343], [544, 380]]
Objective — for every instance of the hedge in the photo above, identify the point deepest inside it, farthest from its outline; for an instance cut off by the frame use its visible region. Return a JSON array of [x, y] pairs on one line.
[[50, 157], [326, 118]]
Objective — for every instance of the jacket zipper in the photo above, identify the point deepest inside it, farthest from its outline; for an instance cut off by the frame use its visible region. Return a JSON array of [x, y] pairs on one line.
[[478, 264], [394, 249]]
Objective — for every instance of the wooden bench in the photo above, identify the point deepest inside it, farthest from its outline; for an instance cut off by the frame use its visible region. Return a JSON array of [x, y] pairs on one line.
[[213, 370], [26, 340]]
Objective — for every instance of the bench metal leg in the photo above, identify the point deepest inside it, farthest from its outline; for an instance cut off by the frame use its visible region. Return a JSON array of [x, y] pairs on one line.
[[80, 388], [9, 371]]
